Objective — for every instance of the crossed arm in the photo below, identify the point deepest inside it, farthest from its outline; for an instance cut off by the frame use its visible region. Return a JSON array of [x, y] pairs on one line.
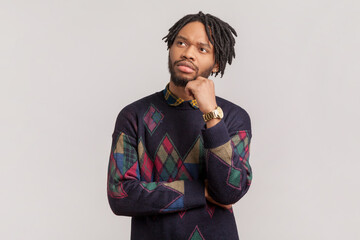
[[228, 177]]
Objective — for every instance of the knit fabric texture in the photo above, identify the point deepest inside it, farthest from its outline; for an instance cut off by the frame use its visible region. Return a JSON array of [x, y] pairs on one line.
[[160, 156]]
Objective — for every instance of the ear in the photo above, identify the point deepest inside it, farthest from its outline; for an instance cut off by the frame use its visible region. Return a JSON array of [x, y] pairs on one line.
[[215, 68]]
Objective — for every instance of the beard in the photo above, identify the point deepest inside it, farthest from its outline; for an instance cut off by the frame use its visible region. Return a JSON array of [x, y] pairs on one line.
[[181, 81]]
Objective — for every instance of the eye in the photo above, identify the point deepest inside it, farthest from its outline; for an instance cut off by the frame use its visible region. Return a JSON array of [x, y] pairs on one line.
[[203, 50], [180, 43]]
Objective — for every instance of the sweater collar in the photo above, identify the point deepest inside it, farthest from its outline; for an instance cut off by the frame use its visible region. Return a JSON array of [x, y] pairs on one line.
[[173, 100]]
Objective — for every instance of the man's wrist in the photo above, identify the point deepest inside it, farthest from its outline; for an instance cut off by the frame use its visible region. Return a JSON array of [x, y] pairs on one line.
[[212, 122], [209, 108]]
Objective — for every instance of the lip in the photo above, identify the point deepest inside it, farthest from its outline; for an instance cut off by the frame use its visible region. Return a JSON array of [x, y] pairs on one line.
[[186, 67]]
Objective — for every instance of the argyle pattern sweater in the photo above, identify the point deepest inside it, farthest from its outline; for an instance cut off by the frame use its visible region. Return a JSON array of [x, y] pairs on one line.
[[160, 156]]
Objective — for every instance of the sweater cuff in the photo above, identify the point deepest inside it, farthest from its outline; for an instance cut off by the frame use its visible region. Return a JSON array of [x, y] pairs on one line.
[[194, 194], [215, 136]]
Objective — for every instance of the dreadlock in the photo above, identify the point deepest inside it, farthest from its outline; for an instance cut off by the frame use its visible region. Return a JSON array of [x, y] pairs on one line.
[[221, 37]]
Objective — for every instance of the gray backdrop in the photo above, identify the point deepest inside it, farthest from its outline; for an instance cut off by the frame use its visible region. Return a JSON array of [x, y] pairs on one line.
[[68, 67]]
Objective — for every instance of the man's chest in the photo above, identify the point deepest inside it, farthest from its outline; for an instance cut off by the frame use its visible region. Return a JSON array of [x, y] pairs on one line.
[[171, 146]]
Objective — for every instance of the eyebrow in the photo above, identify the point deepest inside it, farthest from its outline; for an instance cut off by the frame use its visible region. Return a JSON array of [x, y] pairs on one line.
[[199, 43]]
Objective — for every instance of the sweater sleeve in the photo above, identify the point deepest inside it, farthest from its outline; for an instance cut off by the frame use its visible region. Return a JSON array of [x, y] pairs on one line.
[[130, 196], [228, 171]]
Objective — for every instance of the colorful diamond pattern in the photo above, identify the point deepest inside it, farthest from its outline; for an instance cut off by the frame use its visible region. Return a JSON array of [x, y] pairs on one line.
[[241, 143], [152, 119], [115, 187], [169, 164], [122, 164], [167, 161]]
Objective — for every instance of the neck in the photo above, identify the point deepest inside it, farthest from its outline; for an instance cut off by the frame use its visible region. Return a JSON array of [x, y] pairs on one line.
[[180, 92]]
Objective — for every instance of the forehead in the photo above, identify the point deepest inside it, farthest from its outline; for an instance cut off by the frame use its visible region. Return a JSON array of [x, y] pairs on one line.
[[194, 32]]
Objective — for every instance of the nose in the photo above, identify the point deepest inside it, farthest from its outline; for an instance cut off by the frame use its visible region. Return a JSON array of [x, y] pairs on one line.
[[188, 53]]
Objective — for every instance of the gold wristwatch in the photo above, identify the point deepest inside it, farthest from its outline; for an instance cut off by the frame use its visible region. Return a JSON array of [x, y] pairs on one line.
[[217, 113]]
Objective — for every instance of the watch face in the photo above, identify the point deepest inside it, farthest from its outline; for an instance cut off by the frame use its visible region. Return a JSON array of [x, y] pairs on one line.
[[219, 113]]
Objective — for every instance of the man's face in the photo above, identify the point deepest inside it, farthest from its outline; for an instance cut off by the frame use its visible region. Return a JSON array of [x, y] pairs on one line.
[[191, 55]]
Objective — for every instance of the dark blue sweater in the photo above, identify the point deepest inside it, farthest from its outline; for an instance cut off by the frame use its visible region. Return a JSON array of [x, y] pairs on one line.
[[159, 159]]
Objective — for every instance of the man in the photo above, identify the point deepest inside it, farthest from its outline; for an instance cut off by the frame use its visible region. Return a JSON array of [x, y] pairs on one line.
[[180, 157]]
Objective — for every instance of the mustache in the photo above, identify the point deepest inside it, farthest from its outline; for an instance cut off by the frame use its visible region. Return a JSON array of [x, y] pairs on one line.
[[189, 62]]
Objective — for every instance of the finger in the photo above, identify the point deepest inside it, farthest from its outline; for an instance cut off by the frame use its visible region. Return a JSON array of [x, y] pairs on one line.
[[226, 206], [199, 78], [188, 90], [219, 204]]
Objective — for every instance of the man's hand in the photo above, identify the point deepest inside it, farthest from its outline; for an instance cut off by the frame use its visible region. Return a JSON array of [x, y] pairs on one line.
[[203, 90], [210, 199]]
